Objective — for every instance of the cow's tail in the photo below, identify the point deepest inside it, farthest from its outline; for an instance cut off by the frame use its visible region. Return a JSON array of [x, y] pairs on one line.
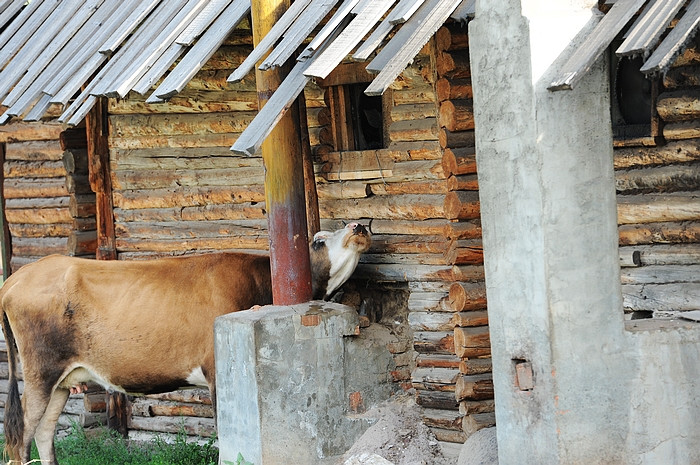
[[14, 416]]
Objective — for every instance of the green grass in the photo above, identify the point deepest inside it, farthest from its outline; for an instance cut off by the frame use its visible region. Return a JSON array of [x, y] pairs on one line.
[[108, 448]]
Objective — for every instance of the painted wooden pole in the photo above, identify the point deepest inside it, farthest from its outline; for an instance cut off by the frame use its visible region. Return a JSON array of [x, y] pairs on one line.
[[284, 178]]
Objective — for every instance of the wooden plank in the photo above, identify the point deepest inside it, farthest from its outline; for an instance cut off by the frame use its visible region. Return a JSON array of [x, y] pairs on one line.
[[407, 42], [298, 32], [39, 41], [404, 10], [205, 47], [325, 61], [201, 22], [13, 40], [583, 58], [342, 15], [661, 274], [633, 209], [675, 41], [672, 297], [465, 11], [10, 10], [375, 39], [648, 28], [138, 9], [131, 75], [269, 40]]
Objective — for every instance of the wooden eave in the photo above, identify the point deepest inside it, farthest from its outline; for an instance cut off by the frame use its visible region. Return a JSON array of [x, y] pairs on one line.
[[51, 50], [654, 17]]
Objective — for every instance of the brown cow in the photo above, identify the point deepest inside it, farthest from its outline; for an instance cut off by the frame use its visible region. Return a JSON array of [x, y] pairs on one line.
[[137, 327]]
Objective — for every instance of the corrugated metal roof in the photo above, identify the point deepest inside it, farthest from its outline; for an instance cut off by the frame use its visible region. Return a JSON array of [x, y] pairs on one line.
[[49, 49], [642, 38], [414, 22]]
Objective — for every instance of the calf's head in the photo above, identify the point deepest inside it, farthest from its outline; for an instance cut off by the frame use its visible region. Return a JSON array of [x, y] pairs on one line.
[[334, 256]]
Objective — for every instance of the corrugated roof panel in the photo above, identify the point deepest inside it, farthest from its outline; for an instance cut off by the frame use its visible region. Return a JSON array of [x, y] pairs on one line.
[[140, 9], [336, 51], [267, 42], [43, 68], [26, 23], [85, 59], [125, 82], [647, 30], [205, 47], [675, 42], [200, 24], [34, 43], [595, 44], [407, 42], [404, 10], [298, 32], [10, 9], [337, 23]]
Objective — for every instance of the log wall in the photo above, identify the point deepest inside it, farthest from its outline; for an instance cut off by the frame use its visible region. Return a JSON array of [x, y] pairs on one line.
[[659, 202]]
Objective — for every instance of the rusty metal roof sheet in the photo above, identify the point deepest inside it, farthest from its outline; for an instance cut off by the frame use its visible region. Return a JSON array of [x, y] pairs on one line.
[[51, 49], [653, 18]]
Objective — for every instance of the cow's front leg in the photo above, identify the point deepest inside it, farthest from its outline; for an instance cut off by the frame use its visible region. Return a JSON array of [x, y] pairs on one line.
[[46, 430]]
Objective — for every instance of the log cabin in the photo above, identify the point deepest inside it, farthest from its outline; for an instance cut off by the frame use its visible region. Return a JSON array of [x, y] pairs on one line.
[[120, 150]]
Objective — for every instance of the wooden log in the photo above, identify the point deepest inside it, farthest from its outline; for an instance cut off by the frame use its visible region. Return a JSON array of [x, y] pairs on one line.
[[180, 124], [177, 140], [413, 130], [435, 379], [685, 151], [459, 161], [465, 252], [35, 188], [473, 423], [75, 161], [633, 209], [438, 227], [188, 197], [682, 130], [82, 206], [82, 243], [470, 407], [465, 319], [670, 178], [661, 274], [444, 400], [39, 246], [49, 202], [343, 190], [152, 407], [41, 230], [179, 157], [409, 112], [190, 100], [467, 182], [48, 150], [672, 297], [189, 229], [407, 244], [470, 229], [196, 395], [472, 342], [190, 425], [78, 184], [451, 37], [682, 77], [679, 105], [34, 169], [161, 179], [445, 419], [395, 273], [453, 89], [39, 215], [388, 187], [474, 387], [18, 131], [429, 342], [462, 205], [430, 321], [447, 436], [437, 361], [400, 207], [661, 233], [457, 115], [450, 139], [175, 245], [453, 65], [414, 95], [475, 366], [73, 138], [668, 254], [94, 402]]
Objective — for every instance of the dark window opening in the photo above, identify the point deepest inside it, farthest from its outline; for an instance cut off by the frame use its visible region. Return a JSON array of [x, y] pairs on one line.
[[367, 119]]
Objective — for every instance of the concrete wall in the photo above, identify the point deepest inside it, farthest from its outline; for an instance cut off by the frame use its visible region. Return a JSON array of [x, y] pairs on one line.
[[600, 394]]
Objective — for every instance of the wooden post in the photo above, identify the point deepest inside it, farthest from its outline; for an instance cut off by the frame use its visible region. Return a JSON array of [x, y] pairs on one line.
[[6, 237], [313, 218], [96, 131], [284, 178]]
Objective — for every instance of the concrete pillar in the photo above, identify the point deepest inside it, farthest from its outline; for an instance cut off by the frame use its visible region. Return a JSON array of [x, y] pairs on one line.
[[549, 222], [287, 377]]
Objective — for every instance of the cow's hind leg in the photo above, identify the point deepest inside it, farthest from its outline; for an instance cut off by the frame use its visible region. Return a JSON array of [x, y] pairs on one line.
[[36, 405], [46, 430]]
